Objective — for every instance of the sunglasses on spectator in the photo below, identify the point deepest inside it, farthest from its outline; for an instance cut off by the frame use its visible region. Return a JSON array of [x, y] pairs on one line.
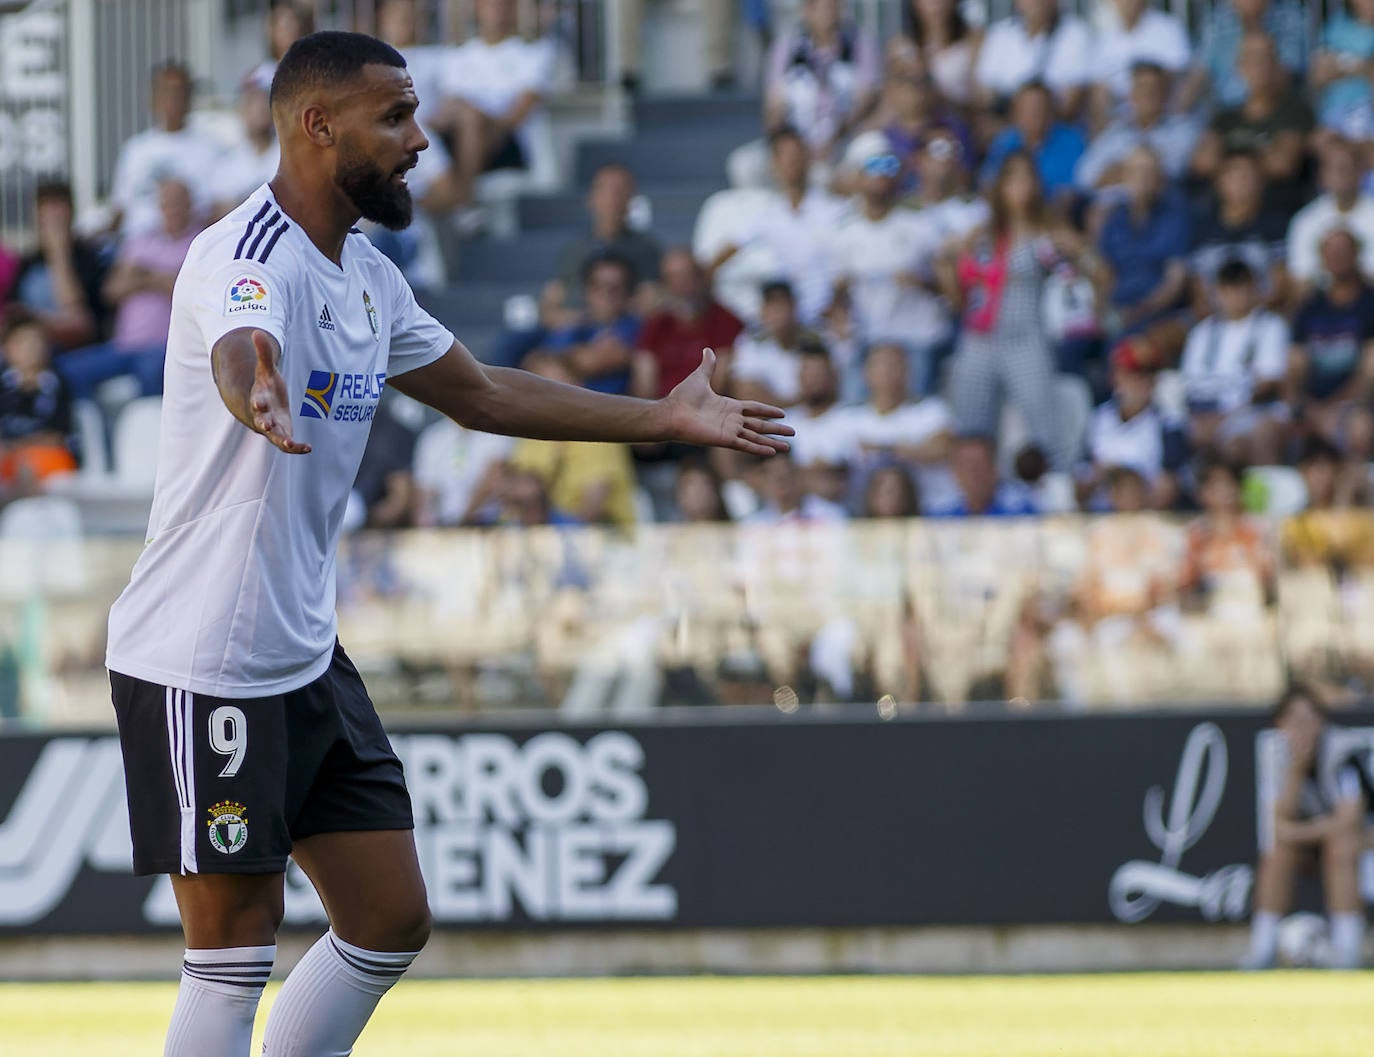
[[944, 149], [883, 165]]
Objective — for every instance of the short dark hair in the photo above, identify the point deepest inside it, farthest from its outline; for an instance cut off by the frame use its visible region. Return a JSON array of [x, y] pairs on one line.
[[777, 288], [1245, 154], [615, 260], [1295, 693], [17, 317], [1235, 272], [982, 440], [48, 190], [172, 68], [812, 345], [1213, 465], [1146, 66], [1035, 84], [784, 132], [329, 58], [1318, 449], [1119, 475]]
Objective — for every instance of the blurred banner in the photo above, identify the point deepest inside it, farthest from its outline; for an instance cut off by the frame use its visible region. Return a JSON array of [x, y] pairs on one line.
[[755, 821], [1109, 613]]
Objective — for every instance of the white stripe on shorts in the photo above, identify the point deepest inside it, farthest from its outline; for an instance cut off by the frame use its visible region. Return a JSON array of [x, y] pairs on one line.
[[179, 745], [188, 811]]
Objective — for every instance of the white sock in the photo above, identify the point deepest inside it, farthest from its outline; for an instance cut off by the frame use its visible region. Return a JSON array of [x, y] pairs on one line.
[[217, 1002], [328, 997], [1264, 935], [1347, 940]]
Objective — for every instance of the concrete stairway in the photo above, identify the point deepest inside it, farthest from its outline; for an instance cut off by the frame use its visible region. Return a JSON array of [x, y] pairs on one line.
[[677, 153]]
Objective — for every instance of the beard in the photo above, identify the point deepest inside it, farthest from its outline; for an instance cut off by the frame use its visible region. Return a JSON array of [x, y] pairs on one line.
[[372, 192]]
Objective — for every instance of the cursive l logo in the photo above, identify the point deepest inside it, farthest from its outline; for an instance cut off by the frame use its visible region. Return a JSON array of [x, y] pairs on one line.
[[1139, 887]]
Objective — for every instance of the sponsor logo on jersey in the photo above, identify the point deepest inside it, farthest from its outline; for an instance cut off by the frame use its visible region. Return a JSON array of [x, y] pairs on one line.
[[247, 293], [228, 827], [326, 320], [342, 396], [319, 394], [371, 317]]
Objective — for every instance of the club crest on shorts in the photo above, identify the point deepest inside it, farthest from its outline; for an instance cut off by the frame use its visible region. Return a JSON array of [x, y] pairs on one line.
[[228, 827], [371, 317]]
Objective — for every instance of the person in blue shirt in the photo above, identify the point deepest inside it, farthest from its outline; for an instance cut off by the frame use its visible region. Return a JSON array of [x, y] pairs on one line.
[[1217, 72], [1331, 362], [1054, 145], [978, 491], [1340, 68], [599, 346], [1146, 240]]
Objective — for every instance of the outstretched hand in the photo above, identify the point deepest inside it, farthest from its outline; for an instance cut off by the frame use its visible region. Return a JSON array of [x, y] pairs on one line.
[[700, 415], [267, 401]]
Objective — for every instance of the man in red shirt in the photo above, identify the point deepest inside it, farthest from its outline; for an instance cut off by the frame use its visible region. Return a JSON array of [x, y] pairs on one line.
[[672, 339]]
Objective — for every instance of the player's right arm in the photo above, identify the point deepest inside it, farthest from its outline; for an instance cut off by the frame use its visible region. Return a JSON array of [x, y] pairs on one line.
[[245, 365]]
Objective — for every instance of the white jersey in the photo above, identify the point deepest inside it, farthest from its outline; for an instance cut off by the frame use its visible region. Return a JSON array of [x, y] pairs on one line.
[[233, 595]]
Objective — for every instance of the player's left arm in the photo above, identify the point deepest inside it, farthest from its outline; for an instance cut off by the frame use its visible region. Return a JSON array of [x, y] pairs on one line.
[[517, 403]]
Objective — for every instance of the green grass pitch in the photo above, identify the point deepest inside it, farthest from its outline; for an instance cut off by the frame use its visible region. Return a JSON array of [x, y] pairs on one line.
[[1177, 1015]]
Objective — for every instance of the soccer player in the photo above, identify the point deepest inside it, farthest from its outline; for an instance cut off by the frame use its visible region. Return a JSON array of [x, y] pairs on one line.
[[247, 733]]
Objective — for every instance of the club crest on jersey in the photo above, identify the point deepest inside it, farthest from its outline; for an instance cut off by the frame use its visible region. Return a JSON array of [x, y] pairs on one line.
[[371, 317], [247, 293], [228, 827]]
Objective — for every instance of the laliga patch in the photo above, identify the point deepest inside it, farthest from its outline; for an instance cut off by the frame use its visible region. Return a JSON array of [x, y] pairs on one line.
[[247, 293]]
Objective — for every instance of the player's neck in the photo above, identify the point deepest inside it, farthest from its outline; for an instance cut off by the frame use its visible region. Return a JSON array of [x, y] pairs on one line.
[[323, 217]]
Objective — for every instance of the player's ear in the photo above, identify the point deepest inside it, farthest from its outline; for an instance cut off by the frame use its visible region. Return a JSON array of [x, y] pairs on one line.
[[317, 125]]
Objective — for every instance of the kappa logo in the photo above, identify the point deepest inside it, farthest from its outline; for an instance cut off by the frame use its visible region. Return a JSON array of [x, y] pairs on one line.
[[326, 320], [228, 827]]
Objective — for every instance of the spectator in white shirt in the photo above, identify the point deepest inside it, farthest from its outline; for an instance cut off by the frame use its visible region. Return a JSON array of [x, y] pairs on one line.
[[253, 160], [782, 487], [766, 365], [168, 150], [287, 22], [457, 473], [884, 260], [939, 38], [947, 209], [891, 426], [817, 416], [492, 85], [1141, 34], [1038, 43], [1129, 431], [1344, 205], [797, 225], [1233, 369], [398, 25], [822, 77]]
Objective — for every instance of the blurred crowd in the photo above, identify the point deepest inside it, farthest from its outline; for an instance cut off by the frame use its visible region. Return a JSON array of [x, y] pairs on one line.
[[1052, 262]]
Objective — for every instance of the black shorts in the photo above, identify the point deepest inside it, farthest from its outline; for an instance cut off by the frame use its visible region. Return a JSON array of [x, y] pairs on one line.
[[220, 785]]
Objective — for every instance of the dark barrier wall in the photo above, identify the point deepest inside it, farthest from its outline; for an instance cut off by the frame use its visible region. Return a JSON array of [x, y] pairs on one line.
[[753, 820]]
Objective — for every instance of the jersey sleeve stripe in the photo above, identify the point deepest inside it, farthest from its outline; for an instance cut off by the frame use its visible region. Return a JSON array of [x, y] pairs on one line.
[[267, 250], [262, 233], [248, 231]]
